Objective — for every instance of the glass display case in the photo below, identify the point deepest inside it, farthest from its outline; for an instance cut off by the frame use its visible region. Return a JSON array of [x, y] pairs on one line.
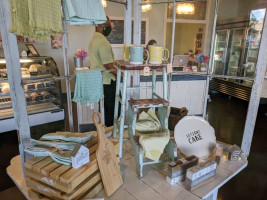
[[42, 92], [236, 53], [220, 52]]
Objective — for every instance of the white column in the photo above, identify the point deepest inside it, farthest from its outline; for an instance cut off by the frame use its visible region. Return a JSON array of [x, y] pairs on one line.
[[256, 92], [137, 41]]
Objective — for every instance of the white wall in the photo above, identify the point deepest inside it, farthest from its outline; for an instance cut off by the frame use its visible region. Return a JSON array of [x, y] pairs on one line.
[[245, 6], [228, 9]]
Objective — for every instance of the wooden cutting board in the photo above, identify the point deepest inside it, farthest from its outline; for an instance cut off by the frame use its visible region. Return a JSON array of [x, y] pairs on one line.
[[107, 159]]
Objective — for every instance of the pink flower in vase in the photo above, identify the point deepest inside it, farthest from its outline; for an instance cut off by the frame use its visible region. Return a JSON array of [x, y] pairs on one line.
[[81, 54]]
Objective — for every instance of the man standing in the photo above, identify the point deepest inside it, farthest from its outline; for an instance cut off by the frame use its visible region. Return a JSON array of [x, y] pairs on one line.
[[102, 57]]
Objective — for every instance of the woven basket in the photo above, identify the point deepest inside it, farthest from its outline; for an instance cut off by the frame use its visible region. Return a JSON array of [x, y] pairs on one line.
[[176, 115]]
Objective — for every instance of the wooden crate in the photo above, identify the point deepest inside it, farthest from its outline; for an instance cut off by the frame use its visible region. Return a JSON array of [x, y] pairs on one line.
[[58, 181]]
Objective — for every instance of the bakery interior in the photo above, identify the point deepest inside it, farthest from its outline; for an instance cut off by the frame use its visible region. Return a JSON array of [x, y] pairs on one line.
[[228, 57]]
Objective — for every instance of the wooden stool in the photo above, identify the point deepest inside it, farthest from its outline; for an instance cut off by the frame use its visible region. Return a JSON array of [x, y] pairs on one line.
[[127, 68], [163, 113]]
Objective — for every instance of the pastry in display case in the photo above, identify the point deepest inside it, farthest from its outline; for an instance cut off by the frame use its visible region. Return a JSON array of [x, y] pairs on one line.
[[42, 92]]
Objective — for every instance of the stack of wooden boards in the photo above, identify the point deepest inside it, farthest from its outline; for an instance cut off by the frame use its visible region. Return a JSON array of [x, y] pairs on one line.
[[57, 181]]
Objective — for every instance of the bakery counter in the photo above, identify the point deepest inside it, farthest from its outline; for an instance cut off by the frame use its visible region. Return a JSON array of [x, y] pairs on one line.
[[186, 90]]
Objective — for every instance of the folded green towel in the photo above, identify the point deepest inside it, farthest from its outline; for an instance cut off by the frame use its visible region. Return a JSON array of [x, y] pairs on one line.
[[69, 136], [62, 157], [84, 12], [88, 86], [57, 144]]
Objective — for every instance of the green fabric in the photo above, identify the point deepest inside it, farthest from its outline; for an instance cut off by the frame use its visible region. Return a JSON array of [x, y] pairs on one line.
[[84, 12], [154, 144], [88, 86], [62, 157], [148, 122], [57, 144], [69, 136], [100, 53], [36, 19]]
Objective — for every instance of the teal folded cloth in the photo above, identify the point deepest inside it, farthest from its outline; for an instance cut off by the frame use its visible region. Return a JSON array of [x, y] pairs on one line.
[[62, 157], [84, 12], [57, 144], [80, 138], [88, 86]]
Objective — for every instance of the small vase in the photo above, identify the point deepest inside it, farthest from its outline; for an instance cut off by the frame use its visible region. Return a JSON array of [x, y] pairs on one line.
[[78, 62]]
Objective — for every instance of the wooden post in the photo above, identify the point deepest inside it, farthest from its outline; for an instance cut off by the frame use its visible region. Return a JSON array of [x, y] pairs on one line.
[[172, 48], [137, 41], [128, 23], [15, 81], [67, 74], [255, 92], [210, 59], [128, 39]]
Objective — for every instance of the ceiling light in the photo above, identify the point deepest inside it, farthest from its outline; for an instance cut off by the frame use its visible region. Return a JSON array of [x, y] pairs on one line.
[[146, 8], [186, 8], [104, 3]]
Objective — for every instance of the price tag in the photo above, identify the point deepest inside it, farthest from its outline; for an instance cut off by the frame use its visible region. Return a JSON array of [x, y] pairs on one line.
[[80, 156], [169, 68], [146, 71]]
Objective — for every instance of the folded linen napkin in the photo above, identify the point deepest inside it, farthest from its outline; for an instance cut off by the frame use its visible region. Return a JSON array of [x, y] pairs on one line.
[[62, 157], [69, 136], [154, 144], [148, 122], [57, 144]]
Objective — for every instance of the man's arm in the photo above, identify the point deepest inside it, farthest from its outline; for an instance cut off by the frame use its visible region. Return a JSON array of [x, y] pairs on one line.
[[110, 66]]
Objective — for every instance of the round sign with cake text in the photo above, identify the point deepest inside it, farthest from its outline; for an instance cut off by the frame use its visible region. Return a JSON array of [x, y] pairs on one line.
[[195, 136]]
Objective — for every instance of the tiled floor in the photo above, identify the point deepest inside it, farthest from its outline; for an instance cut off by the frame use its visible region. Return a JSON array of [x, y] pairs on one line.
[[226, 116]]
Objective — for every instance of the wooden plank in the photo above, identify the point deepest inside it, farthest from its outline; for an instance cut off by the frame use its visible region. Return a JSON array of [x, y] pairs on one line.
[[255, 92], [13, 67], [106, 159], [57, 194], [99, 186], [49, 168], [48, 181], [43, 189], [95, 188], [91, 142], [38, 166], [37, 196], [59, 171], [28, 164], [73, 173], [92, 149], [65, 187], [86, 173]]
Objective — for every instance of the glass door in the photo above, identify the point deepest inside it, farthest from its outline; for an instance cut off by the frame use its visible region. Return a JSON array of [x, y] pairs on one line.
[[219, 52], [252, 44], [236, 38]]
